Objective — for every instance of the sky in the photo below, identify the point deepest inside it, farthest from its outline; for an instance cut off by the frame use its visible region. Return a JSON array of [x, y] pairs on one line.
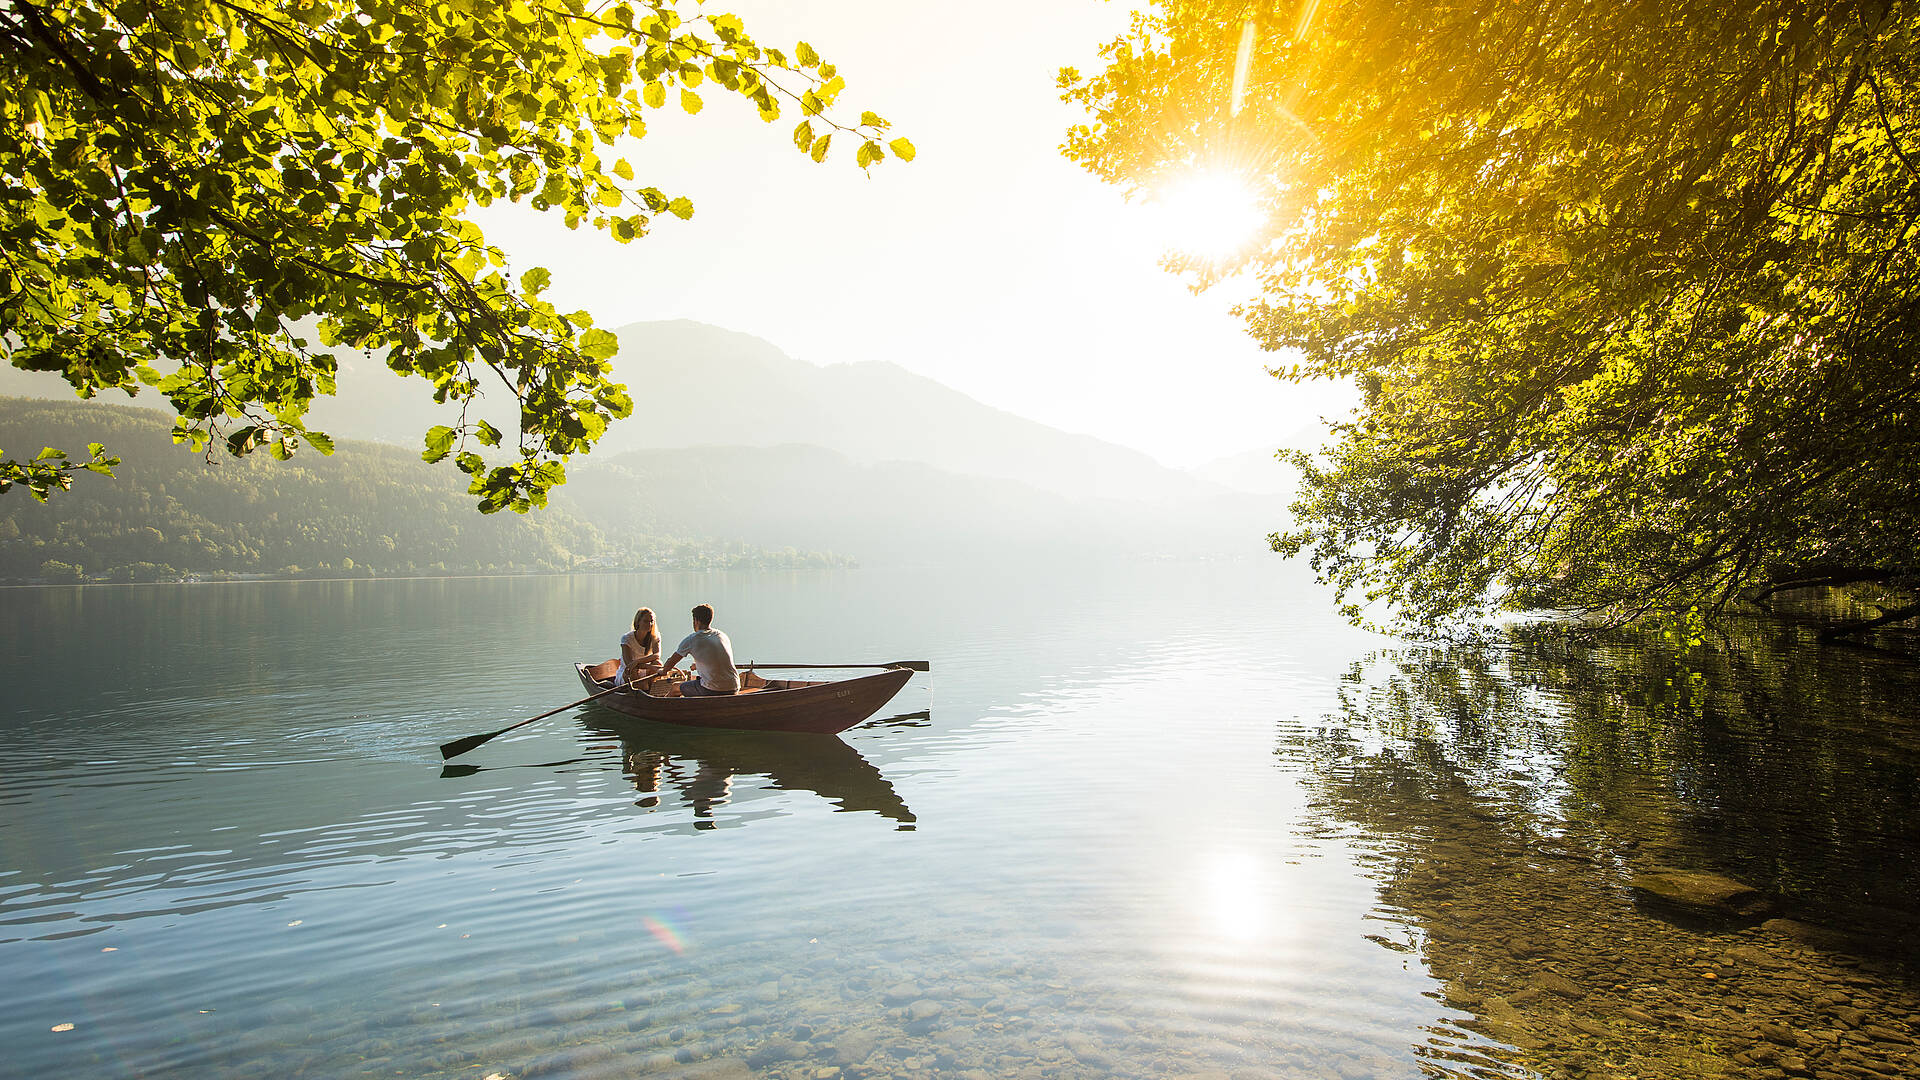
[[990, 263]]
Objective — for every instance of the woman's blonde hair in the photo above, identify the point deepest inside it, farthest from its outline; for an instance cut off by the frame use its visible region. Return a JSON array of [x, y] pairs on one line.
[[650, 636]]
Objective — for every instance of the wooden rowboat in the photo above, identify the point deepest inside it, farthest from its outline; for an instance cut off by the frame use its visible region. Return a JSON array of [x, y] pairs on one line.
[[819, 708]]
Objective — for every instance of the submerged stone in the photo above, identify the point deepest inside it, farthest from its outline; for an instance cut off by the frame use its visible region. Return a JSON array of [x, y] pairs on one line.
[[1088, 1051], [1700, 890], [1805, 933], [854, 1047], [1557, 984], [776, 1050], [719, 1069], [566, 1062]]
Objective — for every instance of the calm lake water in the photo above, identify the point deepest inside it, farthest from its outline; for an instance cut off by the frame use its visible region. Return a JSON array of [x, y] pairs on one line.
[[1166, 821]]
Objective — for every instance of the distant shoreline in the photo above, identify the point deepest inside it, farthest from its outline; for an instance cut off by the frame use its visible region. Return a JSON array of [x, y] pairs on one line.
[[265, 579]]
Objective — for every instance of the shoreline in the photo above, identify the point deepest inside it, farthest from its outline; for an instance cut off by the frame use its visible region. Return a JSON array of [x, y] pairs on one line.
[[270, 580]]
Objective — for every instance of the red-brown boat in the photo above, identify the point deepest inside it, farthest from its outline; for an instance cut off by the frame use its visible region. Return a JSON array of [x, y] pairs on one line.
[[820, 708]]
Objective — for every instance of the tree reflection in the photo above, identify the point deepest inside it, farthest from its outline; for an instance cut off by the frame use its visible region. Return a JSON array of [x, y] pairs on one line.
[[1514, 794]]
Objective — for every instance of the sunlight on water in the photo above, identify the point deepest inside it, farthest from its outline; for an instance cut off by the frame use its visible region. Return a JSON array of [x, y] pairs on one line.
[[1237, 902]]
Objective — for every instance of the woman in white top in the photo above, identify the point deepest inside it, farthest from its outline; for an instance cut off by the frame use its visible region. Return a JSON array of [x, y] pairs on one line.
[[639, 649]]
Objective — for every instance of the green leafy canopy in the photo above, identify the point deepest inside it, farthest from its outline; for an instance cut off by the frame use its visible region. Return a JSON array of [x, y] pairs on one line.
[[1629, 291], [183, 183]]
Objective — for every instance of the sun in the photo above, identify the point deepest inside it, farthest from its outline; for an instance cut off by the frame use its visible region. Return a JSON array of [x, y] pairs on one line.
[[1210, 214]]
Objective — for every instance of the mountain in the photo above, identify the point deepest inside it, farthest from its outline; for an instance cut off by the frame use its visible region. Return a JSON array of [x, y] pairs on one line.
[[720, 387], [1256, 472], [700, 385], [733, 441], [1259, 471], [897, 513]]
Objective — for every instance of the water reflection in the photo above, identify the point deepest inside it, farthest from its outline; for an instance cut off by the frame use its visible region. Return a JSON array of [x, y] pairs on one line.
[[701, 766], [1647, 856]]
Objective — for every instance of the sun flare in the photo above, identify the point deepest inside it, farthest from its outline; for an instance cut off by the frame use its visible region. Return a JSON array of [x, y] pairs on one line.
[[1210, 214]]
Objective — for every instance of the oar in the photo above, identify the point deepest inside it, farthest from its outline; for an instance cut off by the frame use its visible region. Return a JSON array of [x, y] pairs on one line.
[[461, 746], [911, 665]]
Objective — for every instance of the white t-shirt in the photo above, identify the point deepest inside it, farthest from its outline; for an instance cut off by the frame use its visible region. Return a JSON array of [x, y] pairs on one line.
[[626, 639], [714, 653]]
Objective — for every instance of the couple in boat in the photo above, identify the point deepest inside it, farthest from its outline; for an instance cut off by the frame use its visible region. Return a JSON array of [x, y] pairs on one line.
[[713, 672]]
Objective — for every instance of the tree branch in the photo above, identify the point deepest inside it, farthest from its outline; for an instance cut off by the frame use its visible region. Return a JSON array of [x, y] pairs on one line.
[[1822, 578], [39, 29], [1850, 629]]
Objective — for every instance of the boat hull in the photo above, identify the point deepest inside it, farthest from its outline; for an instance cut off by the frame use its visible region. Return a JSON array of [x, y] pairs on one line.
[[824, 708]]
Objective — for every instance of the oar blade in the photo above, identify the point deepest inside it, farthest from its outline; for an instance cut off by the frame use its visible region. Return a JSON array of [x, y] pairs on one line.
[[460, 746], [910, 665]]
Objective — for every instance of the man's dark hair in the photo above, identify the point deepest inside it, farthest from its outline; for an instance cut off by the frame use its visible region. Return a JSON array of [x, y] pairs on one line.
[[703, 614]]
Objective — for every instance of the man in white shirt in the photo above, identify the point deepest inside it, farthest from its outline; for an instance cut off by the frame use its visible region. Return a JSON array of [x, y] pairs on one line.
[[712, 657]]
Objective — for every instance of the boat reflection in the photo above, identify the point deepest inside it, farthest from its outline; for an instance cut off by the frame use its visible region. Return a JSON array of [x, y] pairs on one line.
[[701, 766]]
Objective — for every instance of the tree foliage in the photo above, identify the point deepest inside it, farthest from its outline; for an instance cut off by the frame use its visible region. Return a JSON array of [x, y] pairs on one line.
[[52, 470], [1629, 290], [185, 184]]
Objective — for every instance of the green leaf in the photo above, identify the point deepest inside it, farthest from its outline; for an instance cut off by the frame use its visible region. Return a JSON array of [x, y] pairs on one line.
[[439, 443], [598, 344]]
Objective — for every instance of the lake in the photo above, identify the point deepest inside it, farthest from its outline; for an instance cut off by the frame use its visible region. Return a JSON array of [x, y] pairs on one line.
[[1154, 821]]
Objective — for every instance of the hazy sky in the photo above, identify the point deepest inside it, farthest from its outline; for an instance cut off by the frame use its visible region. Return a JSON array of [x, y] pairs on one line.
[[990, 263]]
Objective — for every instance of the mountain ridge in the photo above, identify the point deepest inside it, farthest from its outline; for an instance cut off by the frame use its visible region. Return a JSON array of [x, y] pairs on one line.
[[898, 512], [871, 411], [695, 384]]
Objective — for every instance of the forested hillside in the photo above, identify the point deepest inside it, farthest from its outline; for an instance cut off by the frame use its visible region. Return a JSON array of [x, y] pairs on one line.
[[369, 509]]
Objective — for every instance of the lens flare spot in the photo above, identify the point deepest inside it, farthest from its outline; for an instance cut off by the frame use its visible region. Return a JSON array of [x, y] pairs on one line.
[[664, 934]]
